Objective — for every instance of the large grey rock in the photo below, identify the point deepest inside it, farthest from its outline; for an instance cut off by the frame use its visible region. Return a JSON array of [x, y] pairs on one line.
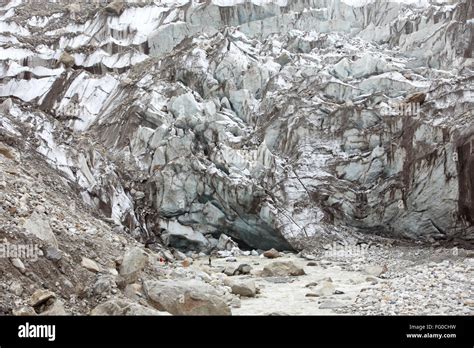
[[16, 288], [183, 237], [185, 297], [103, 284], [271, 254], [230, 270], [134, 261], [115, 7], [243, 287], [53, 253], [56, 308], [233, 269], [124, 307], [40, 296], [38, 225], [133, 291], [281, 269], [24, 311]]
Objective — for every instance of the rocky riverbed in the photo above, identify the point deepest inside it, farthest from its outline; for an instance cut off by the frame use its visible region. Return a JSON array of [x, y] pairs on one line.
[[355, 285]]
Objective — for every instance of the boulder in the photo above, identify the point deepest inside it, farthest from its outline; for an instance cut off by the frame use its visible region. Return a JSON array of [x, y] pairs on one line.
[[185, 297], [232, 270], [124, 307], [90, 265], [183, 237], [53, 254], [281, 269], [24, 311], [40, 296], [133, 291], [133, 262], [16, 288], [56, 308], [115, 7], [242, 287], [103, 284], [271, 254], [243, 269], [38, 225]]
